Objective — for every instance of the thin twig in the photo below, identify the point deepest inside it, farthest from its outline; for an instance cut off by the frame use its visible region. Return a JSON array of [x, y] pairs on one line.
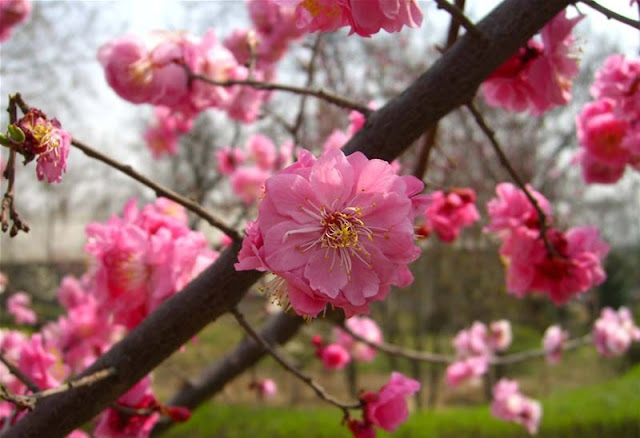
[[612, 15], [83, 381], [571, 344], [542, 216], [159, 189], [28, 382], [319, 93], [315, 50], [319, 390], [456, 13], [434, 358], [21, 401]]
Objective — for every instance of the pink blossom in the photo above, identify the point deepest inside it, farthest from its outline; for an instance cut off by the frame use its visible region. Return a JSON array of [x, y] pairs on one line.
[[334, 356], [601, 133], [465, 369], [229, 159], [511, 209], [614, 331], [449, 212], [553, 343], [42, 363], [538, 76], [338, 230], [597, 171], [361, 428], [262, 150], [365, 18], [266, 388], [12, 13], [19, 306], [510, 405], [473, 341], [115, 424], [144, 257], [248, 183], [500, 335], [46, 140], [365, 328], [388, 409], [574, 268], [616, 80], [162, 136]]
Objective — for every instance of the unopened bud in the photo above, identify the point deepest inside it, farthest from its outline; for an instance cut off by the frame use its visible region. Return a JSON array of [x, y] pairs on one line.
[[16, 134]]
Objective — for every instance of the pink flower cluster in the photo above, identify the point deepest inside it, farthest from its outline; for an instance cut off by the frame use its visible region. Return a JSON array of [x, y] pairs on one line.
[[475, 347], [510, 405], [609, 127], [367, 329], [143, 258], [614, 331], [335, 230], [250, 167], [19, 306], [161, 137], [265, 388], [36, 358], [553, 343], [538, 76], [334, 356], [365, 17], [386, 409], [12, 13], [448, 212], [46, 140], [573, 266]]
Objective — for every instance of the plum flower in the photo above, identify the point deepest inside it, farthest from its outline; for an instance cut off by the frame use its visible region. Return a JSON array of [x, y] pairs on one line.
[[19, 305], [46, 140], [553, 343], [510, 405], [449, 212], [388, 409], [538, 76], [336, 230], [12, 13], [614, 331]]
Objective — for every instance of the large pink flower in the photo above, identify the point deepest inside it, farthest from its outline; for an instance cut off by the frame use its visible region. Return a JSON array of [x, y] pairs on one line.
[[388, 408], [338, 229], [538, 76]]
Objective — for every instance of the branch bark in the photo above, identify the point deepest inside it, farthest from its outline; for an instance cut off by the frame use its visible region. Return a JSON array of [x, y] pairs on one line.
[[451, 82]]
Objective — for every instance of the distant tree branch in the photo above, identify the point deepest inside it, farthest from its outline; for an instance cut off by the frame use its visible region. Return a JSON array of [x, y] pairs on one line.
[[318, 93], [457, 14], [611, 15]]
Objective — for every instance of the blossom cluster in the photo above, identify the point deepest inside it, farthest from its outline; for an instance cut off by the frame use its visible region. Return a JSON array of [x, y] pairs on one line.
[[248, 168], [475, 347], [538, 77], [335, 230], [136, 262], [364, 17], [614, 331], [46, 141], [609, 127], [387, 408], [510, 405], [12, 13], [19, 306], [447, 213], [570, 266]]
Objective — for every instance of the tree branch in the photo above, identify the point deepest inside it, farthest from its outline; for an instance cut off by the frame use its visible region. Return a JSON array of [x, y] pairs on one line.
[[611, 15]]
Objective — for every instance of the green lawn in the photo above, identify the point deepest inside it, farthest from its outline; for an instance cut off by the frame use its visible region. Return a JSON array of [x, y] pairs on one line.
[[610, 409]]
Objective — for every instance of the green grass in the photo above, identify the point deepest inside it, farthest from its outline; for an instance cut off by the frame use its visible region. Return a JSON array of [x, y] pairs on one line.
[[610, 409]]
